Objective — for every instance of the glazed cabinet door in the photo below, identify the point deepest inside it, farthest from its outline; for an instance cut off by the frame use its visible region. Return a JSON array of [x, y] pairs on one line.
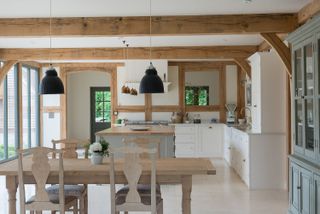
[[316, 194], [317, 65], [298, 116], [308, 96], [303, 96], [294, 188]]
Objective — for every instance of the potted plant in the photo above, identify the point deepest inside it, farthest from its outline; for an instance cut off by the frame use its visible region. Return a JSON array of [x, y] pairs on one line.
[[98, 150]]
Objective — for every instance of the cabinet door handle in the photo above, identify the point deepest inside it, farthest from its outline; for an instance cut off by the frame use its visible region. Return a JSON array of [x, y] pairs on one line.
[[255, 106], [244, 160], [298, 187], [210, 127]]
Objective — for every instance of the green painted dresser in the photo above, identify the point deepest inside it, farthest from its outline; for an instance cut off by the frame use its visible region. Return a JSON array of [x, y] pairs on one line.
[[304, 171]]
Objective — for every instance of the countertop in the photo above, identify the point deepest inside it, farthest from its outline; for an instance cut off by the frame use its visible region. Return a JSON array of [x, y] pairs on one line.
[[126, 130]]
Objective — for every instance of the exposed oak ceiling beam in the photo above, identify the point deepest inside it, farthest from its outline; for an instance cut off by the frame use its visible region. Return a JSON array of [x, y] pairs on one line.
[[208, 52], [308, 11], [139, 26]]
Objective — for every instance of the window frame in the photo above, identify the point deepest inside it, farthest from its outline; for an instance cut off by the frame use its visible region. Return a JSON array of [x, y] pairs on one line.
[[196, 91], [17, 69]]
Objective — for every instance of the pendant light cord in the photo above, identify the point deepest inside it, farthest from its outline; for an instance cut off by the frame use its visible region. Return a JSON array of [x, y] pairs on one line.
[[150, 26], [50, 22]]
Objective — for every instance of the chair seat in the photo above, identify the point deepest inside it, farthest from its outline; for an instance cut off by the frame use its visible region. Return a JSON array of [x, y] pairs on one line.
[[144, 191], [69, 190], [54, 198]]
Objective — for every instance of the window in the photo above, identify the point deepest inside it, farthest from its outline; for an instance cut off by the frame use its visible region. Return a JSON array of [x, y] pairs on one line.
[[103, 106], [30, 107], [9, 115], [16, 84], [197, 95]]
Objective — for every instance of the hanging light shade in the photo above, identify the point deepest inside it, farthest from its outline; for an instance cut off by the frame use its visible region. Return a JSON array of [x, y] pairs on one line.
[[51, 83], [151, 82]]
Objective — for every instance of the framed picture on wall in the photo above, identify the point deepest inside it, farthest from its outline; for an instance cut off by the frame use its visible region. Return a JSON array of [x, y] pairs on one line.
[[248, 94]]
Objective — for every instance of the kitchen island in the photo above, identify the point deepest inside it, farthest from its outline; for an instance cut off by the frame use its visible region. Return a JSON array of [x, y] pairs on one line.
[[115, 136]]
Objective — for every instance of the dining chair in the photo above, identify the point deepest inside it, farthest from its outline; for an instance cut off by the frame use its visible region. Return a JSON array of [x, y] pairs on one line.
[[40, 167], [134, 196], [69, 150]]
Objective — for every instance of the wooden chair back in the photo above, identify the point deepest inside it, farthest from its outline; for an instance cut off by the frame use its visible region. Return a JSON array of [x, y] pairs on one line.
[[40, 170], [70, 146], [132, 168], [146, 143]]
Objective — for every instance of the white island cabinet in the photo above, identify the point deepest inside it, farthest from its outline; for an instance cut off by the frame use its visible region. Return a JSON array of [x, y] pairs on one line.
[[199, 140]]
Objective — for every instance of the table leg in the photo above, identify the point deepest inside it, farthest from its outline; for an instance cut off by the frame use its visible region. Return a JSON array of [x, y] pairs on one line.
[[186, 193], [12, 185]]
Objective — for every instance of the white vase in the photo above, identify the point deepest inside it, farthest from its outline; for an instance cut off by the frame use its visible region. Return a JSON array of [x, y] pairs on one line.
[[96, 158]]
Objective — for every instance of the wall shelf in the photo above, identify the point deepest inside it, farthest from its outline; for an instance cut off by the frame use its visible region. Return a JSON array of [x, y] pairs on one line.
[[136, 85]]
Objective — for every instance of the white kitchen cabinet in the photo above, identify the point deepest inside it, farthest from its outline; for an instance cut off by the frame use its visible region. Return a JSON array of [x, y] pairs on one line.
[[227, 145], [268, 84], [259, 159], [210, 140], [240, 154], [199, 140], [185, 140]]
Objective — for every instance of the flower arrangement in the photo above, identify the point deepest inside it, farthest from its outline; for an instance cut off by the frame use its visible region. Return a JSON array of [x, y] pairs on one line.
[[101, 147]]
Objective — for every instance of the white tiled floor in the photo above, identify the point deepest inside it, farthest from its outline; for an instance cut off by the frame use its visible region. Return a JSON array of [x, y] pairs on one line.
[[223, 193]]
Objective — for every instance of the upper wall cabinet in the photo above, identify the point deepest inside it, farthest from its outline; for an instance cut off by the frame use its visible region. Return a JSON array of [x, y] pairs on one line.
[[306, 90], [268, 93]]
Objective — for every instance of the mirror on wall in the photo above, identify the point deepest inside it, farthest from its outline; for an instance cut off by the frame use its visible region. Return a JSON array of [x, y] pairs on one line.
[[202, 88]]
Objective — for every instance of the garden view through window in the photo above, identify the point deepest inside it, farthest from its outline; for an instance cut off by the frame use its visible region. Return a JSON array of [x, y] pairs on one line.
[[197, 95]]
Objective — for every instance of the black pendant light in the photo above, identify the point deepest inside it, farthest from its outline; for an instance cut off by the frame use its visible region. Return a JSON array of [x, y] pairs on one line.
[[51, 83], [151, 82]]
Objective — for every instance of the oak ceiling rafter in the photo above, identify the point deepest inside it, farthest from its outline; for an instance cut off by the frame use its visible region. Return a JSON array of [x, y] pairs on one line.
[[264, 46], [6, 68], [244, 65], [139, 26], [308, 11], [194, 52], [282, 50]]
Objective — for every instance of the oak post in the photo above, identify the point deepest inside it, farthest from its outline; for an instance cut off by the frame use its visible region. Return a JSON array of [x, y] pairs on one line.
[[12, 185], [186, 181]]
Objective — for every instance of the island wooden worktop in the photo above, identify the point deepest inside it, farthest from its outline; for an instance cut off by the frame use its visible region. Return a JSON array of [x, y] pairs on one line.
[[126, 130]]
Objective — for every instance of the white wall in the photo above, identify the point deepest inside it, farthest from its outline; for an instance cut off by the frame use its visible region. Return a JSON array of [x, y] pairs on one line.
[[78, 103], [172, 96], [232, 84]]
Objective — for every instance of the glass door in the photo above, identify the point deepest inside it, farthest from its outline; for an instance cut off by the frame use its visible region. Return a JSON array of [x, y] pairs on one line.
[[317, 76], [298, 101], [100, 110], [308, 96]]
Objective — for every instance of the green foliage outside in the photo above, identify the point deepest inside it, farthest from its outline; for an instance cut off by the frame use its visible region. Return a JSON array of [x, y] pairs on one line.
[[197, 95], [11, 151], [103, 106]]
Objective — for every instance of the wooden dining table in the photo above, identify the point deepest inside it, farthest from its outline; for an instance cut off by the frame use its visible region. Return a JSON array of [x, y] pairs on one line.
[[81, 171]]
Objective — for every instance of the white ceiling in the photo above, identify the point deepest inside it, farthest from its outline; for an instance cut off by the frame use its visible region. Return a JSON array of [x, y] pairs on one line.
[[87, 8], [157, 41]]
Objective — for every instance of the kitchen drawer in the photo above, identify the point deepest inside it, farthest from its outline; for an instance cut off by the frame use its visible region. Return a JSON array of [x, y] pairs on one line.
[[185, 150], [182, 139], [185, 129]]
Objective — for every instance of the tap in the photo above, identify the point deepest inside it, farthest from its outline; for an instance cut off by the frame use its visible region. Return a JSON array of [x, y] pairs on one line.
[[248, 118]]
